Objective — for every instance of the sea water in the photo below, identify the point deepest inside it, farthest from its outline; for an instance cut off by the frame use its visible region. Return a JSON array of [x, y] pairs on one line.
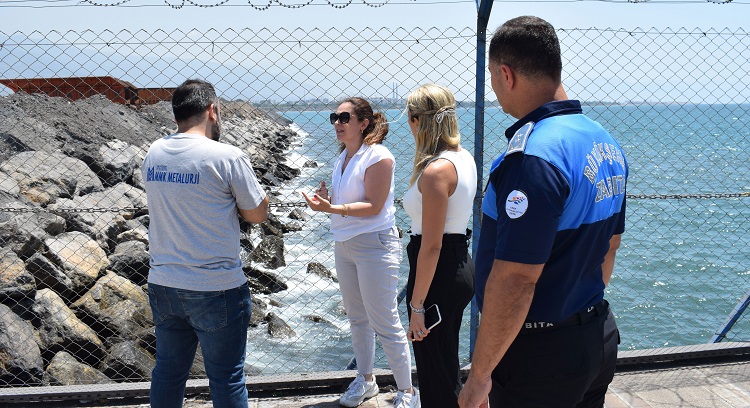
[[682, 267]]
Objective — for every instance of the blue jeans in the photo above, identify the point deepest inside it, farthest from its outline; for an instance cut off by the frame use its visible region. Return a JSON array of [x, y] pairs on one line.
[[219, 321]]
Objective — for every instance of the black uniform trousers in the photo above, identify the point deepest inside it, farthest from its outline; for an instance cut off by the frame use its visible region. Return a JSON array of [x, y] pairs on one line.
[[568, 366], [438, 371]]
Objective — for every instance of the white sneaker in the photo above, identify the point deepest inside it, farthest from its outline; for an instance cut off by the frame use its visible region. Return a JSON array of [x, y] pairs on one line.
[[407, 400], [359, 390]]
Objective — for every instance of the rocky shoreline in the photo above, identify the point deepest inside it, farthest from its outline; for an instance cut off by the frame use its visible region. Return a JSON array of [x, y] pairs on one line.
[[74, 241]]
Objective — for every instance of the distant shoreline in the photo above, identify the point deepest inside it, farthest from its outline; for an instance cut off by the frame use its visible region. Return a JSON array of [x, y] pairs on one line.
[[274, 108]]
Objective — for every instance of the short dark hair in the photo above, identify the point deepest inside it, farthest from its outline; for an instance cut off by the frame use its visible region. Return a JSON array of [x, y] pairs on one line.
[[529, 45], [192, 98]]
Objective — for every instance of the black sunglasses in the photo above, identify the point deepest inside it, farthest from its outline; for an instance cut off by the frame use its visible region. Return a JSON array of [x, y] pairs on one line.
[[343, 118]]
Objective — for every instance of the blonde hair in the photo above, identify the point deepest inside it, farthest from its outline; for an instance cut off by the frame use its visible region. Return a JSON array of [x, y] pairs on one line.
[[435, 107]]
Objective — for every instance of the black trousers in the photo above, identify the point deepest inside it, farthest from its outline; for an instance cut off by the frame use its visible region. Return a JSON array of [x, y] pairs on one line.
[[438, 371], [566, 367]]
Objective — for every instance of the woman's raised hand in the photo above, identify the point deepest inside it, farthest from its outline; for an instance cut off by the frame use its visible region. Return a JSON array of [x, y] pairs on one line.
[[320, 200]]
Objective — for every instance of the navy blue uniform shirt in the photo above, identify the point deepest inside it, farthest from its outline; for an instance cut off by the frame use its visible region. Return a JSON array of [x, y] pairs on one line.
[[555, 197]]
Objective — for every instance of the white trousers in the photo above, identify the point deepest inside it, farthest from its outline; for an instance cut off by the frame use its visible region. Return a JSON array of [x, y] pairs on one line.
[[367, 267]]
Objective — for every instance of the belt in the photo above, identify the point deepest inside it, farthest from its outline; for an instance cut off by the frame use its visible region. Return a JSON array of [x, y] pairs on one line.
[[577, 319], [446, 237]]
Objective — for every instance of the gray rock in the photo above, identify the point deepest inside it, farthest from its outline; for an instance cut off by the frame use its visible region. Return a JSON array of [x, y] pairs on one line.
[[128, 362], [20, 359], [9, 185], [64, 369], [26, 226], [198, 369], [79, 257], [275, 303], [45, 177], [272, 226], [278, 328], [16, 282], [115, 308], [49, 275], [258, 313], [292, 226], [268, 280], [317, 319], [59, 329], [129, 246], [146, 338], [298, 214], [251, 370], [132, 264], [120, 159], [320, 270], [24, 133], [136, 234], [270, 252], [121, 201]]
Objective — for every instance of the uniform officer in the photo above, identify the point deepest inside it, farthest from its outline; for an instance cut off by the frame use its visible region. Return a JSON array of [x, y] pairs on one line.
[[553, 212]]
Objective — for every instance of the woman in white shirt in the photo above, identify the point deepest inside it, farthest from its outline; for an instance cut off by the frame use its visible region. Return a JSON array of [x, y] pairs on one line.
[[368, 248], [441, 272]]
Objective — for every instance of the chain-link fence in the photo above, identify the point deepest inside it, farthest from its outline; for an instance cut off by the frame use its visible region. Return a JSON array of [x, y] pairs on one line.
[[73, 215]]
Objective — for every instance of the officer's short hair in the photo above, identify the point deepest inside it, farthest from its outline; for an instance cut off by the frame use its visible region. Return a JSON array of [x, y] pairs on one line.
[[529, 45], [192, 98]]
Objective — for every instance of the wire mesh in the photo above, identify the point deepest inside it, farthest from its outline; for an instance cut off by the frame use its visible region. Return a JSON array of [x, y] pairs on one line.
[[73, 230]]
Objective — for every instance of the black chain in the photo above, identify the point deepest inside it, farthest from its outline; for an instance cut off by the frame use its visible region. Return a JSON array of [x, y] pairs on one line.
[[302, 204]]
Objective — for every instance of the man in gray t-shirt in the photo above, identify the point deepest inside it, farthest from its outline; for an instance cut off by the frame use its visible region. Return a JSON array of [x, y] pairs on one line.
[[196, 188]]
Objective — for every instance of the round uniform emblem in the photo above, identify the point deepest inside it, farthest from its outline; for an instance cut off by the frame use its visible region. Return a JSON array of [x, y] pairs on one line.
[[516, 204]]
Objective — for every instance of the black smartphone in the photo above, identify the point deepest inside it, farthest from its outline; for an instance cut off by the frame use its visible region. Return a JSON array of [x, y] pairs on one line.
[[432, 316]]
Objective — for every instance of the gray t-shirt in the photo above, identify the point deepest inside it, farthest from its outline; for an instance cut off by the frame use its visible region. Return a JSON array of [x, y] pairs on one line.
[[194, 186]]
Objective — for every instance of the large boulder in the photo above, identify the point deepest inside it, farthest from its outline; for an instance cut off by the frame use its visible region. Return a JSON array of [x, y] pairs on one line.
[[319, 269], [128, 362], [64, 369], [269, 252], [9, 185], [49, 275], [119, 160], [258, 313], [278, 328], [60, 329], [20, 359], [16, 283], [115, 308], [79, 257], [131, 260], [24, 226], [102, 215], [263, 281], [45, 177]]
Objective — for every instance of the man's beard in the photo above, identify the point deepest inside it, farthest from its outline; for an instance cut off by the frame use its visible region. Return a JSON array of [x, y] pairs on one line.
[[216, 131]]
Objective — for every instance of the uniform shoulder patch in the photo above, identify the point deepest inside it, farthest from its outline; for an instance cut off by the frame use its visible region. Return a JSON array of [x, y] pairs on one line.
[[518, 142]]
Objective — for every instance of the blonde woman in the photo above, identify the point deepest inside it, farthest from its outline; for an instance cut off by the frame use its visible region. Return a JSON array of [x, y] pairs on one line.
[[368, 248], [439, 201]]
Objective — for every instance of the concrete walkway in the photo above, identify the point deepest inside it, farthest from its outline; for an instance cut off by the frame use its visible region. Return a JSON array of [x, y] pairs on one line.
[[700, 376], [713, 386], [724, 385]]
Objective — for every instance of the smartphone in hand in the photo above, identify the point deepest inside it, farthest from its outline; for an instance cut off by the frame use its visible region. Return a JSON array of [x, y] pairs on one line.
[[432, 316]]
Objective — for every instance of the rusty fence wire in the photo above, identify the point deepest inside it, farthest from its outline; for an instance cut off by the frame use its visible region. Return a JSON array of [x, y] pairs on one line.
[[79, 109]]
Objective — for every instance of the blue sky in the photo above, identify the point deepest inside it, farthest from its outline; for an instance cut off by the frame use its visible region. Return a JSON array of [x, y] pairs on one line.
[[633, 78], [410, 13]]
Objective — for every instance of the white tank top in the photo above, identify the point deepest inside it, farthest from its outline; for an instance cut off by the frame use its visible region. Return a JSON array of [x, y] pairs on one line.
[[460, 203]]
